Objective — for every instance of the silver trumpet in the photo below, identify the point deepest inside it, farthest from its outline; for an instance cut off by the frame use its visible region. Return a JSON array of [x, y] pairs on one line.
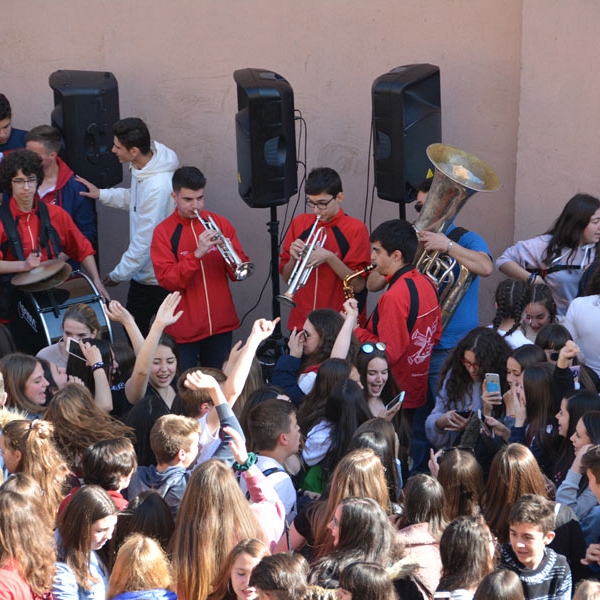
[[301, 272], [242, 270]]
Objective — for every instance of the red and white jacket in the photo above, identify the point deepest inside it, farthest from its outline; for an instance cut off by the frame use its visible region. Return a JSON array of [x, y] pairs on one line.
[[206, 299]]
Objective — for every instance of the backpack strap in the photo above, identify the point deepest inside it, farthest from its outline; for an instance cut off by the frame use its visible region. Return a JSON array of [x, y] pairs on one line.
[[456, 234], [49, 237]]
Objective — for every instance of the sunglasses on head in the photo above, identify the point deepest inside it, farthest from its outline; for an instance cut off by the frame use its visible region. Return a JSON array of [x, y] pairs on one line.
[[369, 348]]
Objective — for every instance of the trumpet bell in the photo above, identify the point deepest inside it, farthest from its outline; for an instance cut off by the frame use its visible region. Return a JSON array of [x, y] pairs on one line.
[[286, 299], [244, 270]]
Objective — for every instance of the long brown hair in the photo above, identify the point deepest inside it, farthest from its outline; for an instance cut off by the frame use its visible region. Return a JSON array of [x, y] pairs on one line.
[[461, 478], [79, 423], [465, 553], [514, 472], [39, 458], [221, 588], [141, 564], [88, 505], [358, 474], [26, 538], [213, 516], [16, 369]]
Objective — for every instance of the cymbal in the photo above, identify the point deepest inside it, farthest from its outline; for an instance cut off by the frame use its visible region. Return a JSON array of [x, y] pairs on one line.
[[41, 273], [51, 282]]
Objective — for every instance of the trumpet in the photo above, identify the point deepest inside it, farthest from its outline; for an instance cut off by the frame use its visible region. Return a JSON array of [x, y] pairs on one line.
[[348, 290], [301, 272], [242, 270]]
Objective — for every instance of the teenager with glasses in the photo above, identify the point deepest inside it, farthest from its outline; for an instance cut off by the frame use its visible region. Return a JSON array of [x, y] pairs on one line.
[[345, 251], [462, 392]]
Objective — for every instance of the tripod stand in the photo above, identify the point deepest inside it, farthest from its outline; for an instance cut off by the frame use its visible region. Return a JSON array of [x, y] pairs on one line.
[[276, 345]]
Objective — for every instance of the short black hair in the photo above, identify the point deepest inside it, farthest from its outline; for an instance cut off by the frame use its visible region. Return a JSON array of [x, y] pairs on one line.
[[133, 133], [397, 234], [323, 180], [190, 178], [5, 109], [26, 161]]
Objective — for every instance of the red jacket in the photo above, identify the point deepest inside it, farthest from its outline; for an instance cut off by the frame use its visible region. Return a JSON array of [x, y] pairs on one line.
[[408, 352], [348, 238], [206, 300], [73, 242]]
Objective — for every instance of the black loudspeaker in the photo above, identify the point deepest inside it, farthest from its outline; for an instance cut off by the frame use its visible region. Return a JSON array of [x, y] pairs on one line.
[[265, 134], [407, 117], [86, 104]]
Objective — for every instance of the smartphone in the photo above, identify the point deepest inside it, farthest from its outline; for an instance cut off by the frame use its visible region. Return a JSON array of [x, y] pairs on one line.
[[465, 414], [74, 348], [399, 399], [483, 424], [492, 383]]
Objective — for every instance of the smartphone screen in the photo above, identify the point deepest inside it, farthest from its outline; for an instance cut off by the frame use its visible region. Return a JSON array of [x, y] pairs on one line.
[[492, 382], [395, 401]]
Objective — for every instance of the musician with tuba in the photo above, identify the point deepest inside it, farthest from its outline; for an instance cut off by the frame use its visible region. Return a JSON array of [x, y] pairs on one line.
[[341, 247], [197, 252]]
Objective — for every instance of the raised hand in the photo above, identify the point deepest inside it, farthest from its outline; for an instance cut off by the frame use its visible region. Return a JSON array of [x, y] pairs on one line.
[[166, 315]]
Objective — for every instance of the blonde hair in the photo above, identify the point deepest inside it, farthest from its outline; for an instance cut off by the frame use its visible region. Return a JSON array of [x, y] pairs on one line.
[[213, 516], [141, 564], [39, 458], [587, 590]]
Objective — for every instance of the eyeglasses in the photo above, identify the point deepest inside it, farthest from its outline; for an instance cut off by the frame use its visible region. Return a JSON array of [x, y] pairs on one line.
[[321, 204], [469, 365], [553, 356], [30, 181], [370, 348]]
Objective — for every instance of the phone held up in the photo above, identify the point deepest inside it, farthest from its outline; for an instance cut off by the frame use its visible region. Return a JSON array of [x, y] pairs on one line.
[[492, 383], [395, 401]]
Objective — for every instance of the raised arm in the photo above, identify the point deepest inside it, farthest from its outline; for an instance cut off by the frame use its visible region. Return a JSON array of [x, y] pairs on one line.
[[343, 340], [136, 385], [119, 314], [93, 359], [240, 361]]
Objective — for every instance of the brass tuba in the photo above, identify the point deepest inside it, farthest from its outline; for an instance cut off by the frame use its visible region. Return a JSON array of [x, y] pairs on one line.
[[301, 271], [458, 175]]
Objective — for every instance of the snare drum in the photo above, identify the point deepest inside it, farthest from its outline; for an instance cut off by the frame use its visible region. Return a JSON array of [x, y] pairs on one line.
[[40, 314]]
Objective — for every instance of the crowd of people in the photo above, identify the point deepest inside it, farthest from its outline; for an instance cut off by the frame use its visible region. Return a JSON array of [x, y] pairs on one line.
[[385, 456]]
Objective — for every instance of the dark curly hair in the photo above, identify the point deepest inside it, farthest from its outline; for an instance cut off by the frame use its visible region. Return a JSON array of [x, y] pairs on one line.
[[491, 352], [567, 229], [512, 297], [26, 161]]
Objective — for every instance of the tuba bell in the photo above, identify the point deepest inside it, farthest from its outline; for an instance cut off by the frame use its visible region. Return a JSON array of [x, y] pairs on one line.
[[458, 175]]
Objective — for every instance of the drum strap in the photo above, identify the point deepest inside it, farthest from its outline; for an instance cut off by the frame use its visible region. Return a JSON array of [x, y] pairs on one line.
[[49, 237], [10, 228]]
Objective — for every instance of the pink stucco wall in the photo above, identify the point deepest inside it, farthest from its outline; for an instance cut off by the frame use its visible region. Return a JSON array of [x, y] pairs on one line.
[[518, 91]]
